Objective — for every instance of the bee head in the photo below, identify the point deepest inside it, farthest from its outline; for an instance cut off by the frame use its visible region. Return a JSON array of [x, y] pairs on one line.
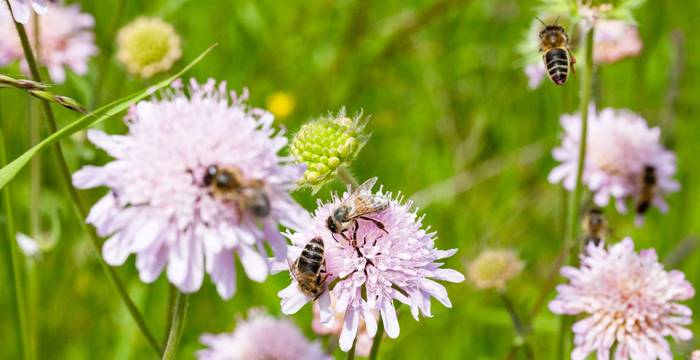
[[210, 174], [260, 205], [649, 175], [553, 34], [332, 225]]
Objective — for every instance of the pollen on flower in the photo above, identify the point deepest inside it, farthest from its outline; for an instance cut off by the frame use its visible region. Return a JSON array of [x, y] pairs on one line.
[[371, 267], [629, 303], [327, 143], [160, 206], [148, 46], [492, 269]]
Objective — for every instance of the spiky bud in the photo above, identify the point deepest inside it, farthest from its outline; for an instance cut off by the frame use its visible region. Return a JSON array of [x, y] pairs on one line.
[[148, 46], [327, 143], [493, 268]]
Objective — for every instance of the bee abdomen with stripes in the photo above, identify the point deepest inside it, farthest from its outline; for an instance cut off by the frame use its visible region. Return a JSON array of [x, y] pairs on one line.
[[557, 63]]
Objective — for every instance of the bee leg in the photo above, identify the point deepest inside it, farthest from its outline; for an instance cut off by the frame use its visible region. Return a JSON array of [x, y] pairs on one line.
[[376, 222], [572, 62], [354, 233]]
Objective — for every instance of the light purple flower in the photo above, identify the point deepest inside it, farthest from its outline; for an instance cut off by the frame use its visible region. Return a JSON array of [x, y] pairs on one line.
[[620, 145], [535, 73], [615, 40], [261, 337], [158, 207], [22, 9], [631, 300], [66, 41], [399, 264]]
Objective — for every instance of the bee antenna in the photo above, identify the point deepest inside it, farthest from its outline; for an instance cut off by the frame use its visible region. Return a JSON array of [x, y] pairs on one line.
[[540, 20], [556, 22]]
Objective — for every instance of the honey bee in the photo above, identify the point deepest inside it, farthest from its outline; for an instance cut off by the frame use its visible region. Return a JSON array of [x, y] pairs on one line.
[[595, 226], [360, 203], [648, 190], [557, 57], [229, 184], [309, 269]]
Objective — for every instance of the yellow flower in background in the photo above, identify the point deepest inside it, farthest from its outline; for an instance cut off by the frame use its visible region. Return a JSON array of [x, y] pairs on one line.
[[281, 104], [147, 46]]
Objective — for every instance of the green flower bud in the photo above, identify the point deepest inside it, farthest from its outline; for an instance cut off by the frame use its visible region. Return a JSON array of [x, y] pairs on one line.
[[326, 144], [493, 268]]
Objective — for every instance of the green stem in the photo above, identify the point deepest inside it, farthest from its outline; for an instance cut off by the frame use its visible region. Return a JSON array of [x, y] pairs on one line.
[[16, 260], [177, 324], [576, 195], [75, 197], [346, 176], [519, 326], [376, 341], [351, 354]]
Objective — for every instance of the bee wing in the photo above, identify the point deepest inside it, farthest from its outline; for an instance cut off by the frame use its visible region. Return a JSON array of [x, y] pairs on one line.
[[363, 205]]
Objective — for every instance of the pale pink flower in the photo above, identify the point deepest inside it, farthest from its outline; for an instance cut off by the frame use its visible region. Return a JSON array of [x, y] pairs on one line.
[[158, 206], [615, 40], [632, 303], [535, 73], [695, 355], [261, 337], [334, 326], [66, 41], [399, 264], [620, 145], [22, 9]]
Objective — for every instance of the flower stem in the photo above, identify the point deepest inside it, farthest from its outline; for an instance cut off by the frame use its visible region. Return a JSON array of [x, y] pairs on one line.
[[75, 197], [177, 324], [15, 259], [351, 354], [346, 176], [376, 341], [521, 330], [576, 195]]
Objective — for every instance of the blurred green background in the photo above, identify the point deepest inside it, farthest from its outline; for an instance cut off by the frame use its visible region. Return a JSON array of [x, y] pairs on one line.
[[453, 124]]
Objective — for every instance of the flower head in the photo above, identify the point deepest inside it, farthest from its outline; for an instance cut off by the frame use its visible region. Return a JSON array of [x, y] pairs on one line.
[[615, 40], [148, 46], [620, 146], [370, 267], [65, 37], [281, 104], [632, 303], [22, 9], [159, 206], [494, 268], [327, 143], [261, 337]]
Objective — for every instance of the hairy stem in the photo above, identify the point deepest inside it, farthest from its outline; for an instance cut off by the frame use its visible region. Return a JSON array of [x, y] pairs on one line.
[[346, 176], [576, 195], [177, 324], [16, 260], [73, 193], [376, 341]]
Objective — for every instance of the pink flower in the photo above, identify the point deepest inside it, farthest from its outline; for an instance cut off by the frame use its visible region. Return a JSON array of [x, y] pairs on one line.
[[399, 264], [620, 145], [535, 73], [158, 206], [334, 327], [261, 337], [66, 40], [22, 9], [631, 300], [615, 40]]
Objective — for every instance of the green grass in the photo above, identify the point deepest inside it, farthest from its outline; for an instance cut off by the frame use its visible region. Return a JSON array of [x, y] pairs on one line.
[[446, 97]]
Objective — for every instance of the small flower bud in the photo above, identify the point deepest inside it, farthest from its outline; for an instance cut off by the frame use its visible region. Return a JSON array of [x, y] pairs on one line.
[[148, 46], [22, 83], [64, 101], [493, 268], [327, 143]]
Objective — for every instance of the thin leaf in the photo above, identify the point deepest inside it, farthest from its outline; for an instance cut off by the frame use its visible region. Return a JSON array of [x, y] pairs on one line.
[[8, 172]]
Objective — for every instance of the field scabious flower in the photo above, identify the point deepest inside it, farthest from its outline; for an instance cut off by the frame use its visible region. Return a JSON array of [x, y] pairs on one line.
[[261, 337], [615, 40], [632, 302], [400, 264], [65, 39], [620, 146], [326, 144], [159, 208], [22, 9], [148, 46], [492, 269]]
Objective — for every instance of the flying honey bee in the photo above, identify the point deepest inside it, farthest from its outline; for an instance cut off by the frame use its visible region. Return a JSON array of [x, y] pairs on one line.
[[228, 183], [648, 190], [309, 269], [595, 226], [360, 203], [558, 59]]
